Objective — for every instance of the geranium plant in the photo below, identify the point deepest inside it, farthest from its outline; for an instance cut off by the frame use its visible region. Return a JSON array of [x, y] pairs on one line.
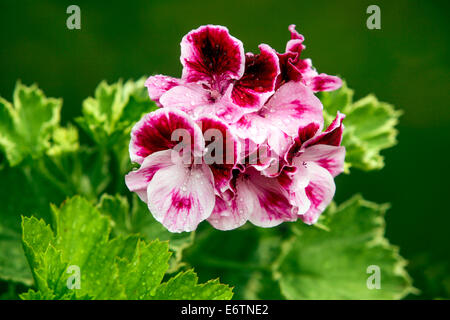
[[174, 175]]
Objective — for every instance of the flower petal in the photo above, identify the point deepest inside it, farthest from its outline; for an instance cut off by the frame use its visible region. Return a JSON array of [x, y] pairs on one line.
[[162, 130], [222, 150], [180, 198], [331, 136], [253, 127], [258, 82], [273, 201], [210, 53], [294, 33], [137, 180], [328, 157], [160, 84], [186, 97], [259, 130], [320, 191], [293, 68], [293, 106], [197, 101], [324, 82], [304, 134], [232, 214]]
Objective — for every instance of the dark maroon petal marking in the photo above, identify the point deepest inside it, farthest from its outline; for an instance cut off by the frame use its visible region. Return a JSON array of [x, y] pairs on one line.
[[290, 62], [304, 134], [153, 133], [261, 72], [332, 135], [210, 53], [275, 205], [222, 164], [244, 97]]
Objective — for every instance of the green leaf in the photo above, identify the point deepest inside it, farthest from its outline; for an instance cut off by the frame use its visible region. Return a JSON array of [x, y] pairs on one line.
[[114, 109], [337, 100], [30, 188], [108, 118], [369, 126], [26, 125], [117, 268], [184, 286], [143, 222], [316, 264], [139, 220], [64, 140], [84, 171], [150, 261]]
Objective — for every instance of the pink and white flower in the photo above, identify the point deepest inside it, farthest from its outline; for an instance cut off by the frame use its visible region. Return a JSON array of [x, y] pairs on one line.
[[293, 106], [264, 201], [238, 139], [179, 190], [296, 69], [318, 158], [218, 77]]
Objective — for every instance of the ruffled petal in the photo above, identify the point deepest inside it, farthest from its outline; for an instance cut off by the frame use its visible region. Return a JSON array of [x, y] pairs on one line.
[[222, 150], [295, 45], [164, 129], [137, 180], [294, 33], [293, 68], [258, 82], [331, 136], [256, 130], [304, 134], [210, 53], [253, 127], [180, 198], [160, 84]]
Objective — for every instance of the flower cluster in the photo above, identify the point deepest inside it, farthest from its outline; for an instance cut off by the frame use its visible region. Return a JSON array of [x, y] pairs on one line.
[[238, 138]]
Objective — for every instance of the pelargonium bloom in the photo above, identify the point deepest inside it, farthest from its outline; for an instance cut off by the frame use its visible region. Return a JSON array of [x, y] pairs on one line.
[[292, 107], [318, 158], [238, 139], [263, 200], [218, 77], [303, 188], [173, 179]]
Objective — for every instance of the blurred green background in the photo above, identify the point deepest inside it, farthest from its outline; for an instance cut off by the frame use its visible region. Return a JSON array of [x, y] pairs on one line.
[[406, 63]]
